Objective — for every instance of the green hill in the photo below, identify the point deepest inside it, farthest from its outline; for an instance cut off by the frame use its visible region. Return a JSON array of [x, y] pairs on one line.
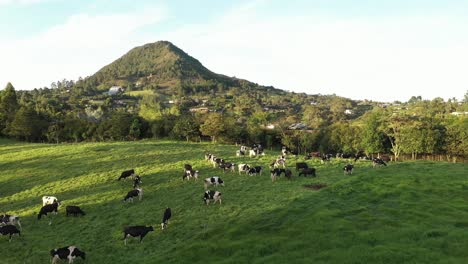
[[412, 212]]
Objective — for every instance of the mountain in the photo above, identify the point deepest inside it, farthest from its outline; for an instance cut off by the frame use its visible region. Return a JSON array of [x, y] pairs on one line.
[[165, 66]]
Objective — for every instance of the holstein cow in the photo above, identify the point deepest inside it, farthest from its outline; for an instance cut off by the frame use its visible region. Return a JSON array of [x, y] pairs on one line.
[[74, 210], [308, 171], [212, 196], [134, 193], [49, 200], [167, 215], [189, 174], [69, 252], [213, 181], [288, 174], [136, 231], [240, 153], [7, 219], [378, 162], [348, 169], [243, 168], [137, 181], [255, 170], [228, 166], [279, 162], [126, 174], [275, 173], [187, 167], [301, 165], [9, 230], [48, 208], [208, 156]]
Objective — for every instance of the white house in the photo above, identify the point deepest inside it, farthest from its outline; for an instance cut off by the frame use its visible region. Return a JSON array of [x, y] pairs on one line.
[[348, 112], [115, 90]]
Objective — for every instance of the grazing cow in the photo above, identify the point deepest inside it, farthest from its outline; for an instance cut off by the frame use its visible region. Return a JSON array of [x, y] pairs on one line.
[[49, 200], [308, 171], [255, 170], [126, 174], [69, 252], [288, 174], [326, 157], [137, 181], [74, 210], [212, 195], [48, 208], [213, 181], [167, 215], [243, 148], [378, 162], [275, 173], [217, 162], [361, 156], [348, 169], [189, 174], [301, 165], [240, 153], [9, 230], [134, 193], [187, 167], [279, 162], [208, 156], [243, 168], [228, 166], [7, 219], [136, 231], [252, 153]]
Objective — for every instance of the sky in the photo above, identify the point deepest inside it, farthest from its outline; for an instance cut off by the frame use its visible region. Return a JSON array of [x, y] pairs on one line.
[[378, 50]]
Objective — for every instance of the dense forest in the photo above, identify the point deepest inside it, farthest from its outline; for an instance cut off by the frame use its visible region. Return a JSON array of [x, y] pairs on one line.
[[159, 91]]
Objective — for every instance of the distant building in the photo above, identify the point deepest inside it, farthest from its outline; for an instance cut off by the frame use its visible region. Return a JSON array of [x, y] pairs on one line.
[[199, 110], [270, 126], [115, 90], [297, 126], [348, 112], [459, 113]]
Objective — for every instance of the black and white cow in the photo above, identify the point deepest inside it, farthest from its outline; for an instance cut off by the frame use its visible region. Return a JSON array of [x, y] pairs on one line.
[[126, 174], [7, 219], [69, 252], [301, 165], [9, 230], [240, 153], [138, 192], [46, 209], [348, 169], [288, 174], [243, 168], [215, 180], [275, 173], [208, 156], [49, 200], [308, 171], [255, 170], [281, 161], [187, 167], [136, 231], [212, 196], [167, 215], [378, 162], [189, 174], [228, 166], [326, 157], [74, 210], [137, 181]]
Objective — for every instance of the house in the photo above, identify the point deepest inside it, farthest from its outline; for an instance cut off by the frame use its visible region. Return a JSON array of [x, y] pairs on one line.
[[115, 90], [297, 126], [348, 112], [459, 113], [270, 126], [199, 110]]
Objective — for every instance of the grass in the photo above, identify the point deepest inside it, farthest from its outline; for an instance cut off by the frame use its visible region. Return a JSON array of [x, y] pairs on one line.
[[411, 212]]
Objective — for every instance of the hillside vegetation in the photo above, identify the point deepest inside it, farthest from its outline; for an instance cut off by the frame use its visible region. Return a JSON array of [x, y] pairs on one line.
[[411, 212]]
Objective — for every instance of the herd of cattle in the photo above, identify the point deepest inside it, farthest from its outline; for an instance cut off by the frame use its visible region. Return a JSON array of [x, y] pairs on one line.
[[11, 225]]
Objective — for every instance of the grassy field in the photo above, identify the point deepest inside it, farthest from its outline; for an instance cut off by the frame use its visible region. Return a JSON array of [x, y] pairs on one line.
[[412, 212]]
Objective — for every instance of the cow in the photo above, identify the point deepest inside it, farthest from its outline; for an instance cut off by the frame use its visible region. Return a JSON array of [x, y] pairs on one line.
[[189, 174], [360, 156], [243, 168], [288, 174], [307, 171], [255, 170], [378, 162], [286, 150], [326, 157], [279, 162], [213, 181], [7, 219], [310, 155], [137, 181], [9, 230], [187, 167], [240, 153], [126, 174], [136, 231], [301, 165], [212, 195], [167, 215], [49, 200], [243, 148], [69, 252], [134, 193], [348, 169], [252, 153], [48, 208], [228, 166], [217, 162], [74, 210], [208, 156], [275, 173]]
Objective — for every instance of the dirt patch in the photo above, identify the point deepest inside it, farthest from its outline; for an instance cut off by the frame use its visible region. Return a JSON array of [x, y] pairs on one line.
[[315, 186]]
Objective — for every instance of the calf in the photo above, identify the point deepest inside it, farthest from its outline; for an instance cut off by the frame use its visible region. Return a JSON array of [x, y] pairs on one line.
[[228, 166], [126, 174], [9, 230], [243, 168], [308, 171], [301, 165], [348, 169], [70, 253], [213, 181], [378, 162], [137, 181], [167, 215], [255, 170], [48, 208], [134, 193], [189, 174], [212, 195], [74, 210], [7, 219], [49, 200], [136, 231]]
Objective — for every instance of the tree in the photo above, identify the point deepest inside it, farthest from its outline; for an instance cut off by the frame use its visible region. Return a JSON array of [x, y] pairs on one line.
[[213, 126], [8, 107], [186, 127], [457, 138], [372, 137], [27, 124], [135, 131]]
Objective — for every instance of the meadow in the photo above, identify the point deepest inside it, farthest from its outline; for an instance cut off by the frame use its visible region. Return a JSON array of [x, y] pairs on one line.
[[407, 212]]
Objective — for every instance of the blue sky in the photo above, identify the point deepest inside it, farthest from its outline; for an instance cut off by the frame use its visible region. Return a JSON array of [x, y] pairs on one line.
[[379, 50]]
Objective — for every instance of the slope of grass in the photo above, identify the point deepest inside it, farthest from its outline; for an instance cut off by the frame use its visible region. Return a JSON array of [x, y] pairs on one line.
[[412, 212]]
